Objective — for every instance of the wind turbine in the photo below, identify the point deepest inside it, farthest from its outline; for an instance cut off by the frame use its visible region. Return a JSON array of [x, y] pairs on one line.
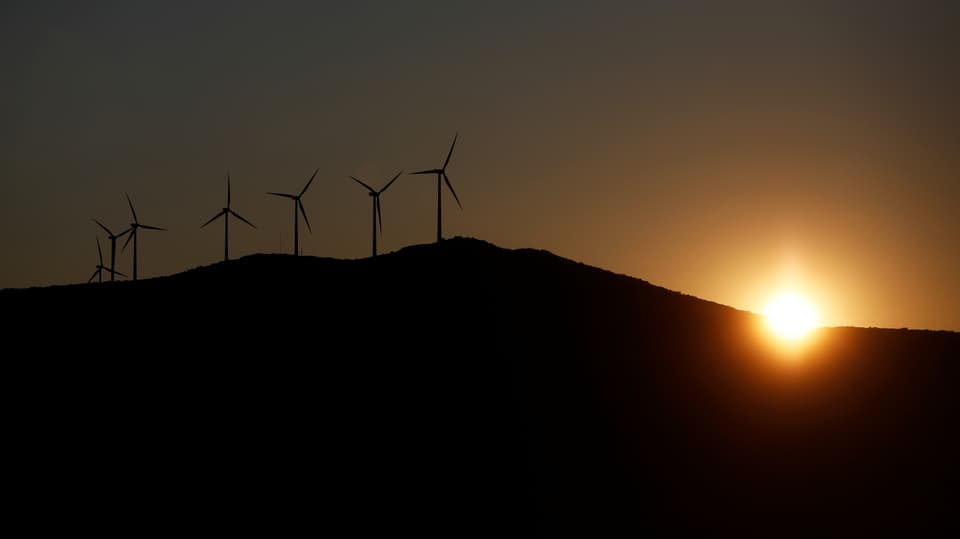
[[442, 173], [297, 210], [225, 213], [101, 268], [134, 227], [375, 196], [113, 246]]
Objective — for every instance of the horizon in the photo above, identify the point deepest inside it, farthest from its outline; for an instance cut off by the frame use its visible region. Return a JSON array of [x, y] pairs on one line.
[[478, 240], [729, 154]]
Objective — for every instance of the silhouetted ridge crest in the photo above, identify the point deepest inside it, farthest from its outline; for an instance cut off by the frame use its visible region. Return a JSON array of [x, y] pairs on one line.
[[514, 389]]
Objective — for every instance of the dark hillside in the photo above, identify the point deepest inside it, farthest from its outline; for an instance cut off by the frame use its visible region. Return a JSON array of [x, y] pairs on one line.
[[457, 388]]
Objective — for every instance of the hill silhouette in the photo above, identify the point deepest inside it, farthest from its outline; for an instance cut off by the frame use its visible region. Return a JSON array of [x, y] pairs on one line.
[[462, 388]]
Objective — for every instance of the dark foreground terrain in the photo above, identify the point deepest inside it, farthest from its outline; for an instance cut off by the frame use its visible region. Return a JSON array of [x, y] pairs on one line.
[[455, 389]]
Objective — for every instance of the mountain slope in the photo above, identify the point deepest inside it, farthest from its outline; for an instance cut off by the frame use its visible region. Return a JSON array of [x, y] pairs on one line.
[[462, 387]]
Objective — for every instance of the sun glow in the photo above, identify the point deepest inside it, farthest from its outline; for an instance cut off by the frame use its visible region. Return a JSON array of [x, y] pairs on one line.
[[790, 316]]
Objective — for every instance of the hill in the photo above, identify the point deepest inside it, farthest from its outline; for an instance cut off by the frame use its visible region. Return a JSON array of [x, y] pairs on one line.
[[462, 388]]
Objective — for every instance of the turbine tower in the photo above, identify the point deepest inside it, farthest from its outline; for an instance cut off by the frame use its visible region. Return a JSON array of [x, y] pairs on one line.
[[375, 196], [442, 174], [101, 268], [298, 209], [134, 227], [113, 246], [225, 213]]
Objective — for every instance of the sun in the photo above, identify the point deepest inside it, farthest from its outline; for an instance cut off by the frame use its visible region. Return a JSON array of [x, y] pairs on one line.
[[790, 316]]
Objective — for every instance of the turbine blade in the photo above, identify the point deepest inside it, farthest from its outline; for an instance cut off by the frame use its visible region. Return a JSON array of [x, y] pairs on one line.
[[228, 189], [385, 187], [152, 227], [99, 252], [363, 184], [238, 216], [124, 233], [431, 171], [450, 186], [212, 219], [379, 217], [107, 230], [284, 195], [133, 232], [116, 272], [304, 212], [450, 154], [133, 211], [94, 275], [305, 187]]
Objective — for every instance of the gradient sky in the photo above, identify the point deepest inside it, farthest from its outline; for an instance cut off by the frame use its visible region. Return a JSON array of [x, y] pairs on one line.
[[727, 150]]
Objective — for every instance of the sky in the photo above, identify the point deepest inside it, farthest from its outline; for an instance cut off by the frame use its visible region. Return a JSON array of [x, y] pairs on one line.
[[728, 150]]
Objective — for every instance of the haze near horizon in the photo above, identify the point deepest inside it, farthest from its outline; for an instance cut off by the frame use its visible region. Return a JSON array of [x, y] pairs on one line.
[[733, 153]]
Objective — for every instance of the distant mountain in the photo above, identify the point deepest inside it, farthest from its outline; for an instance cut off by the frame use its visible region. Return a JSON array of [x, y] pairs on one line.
[[462, 388]]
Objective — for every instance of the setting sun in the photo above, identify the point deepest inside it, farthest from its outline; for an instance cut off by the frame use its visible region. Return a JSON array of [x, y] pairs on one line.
[[790, 316]]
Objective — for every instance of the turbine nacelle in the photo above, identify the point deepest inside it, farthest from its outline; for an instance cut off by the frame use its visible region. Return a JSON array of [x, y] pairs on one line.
[[298, 210], [377, 214], [442, 175], [100, 268], [135, 226], [226, 212], [110, 235]]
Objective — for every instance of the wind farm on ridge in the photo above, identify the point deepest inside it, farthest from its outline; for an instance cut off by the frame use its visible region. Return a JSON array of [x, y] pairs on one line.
[[132, 232]]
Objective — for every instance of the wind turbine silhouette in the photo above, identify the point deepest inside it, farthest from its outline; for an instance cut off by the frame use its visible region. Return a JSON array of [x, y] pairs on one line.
[[113, 246], [134, 227], [101, 268], [225, 213], [375, 196], [442, 173], [297, 210]]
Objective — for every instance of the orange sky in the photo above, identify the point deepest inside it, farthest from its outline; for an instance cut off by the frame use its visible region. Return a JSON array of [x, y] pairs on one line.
[[726, 153]]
